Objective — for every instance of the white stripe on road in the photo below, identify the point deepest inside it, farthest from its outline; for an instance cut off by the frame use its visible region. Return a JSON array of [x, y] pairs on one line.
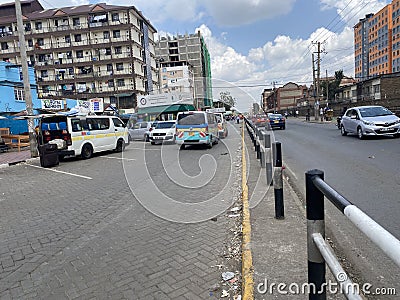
[[114, 157], [58, 171]]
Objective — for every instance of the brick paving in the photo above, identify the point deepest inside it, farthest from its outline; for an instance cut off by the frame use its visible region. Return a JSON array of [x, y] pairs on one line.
[[69, 237]]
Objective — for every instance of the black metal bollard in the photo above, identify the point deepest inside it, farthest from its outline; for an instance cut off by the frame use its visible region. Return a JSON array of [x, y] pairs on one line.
[[315, 224], [258, 142], [278, 182]]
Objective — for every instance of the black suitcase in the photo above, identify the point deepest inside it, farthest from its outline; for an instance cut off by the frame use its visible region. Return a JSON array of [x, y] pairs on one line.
[[48, 155]]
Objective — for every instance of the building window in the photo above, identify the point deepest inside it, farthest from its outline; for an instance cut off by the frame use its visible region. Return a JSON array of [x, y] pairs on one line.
[[44, 73], [4, 46], [19, 94], [108, 51], [109, 68], [76, 21], [106, 35], [120, 66], [111, 83], [78, 38], [40, 42], [120, 82], [118, 50], [115, 17], [30, 43], [116, 34], [38, 26], [79, 54]]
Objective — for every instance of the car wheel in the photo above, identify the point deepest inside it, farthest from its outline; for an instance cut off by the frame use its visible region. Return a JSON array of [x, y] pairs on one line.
[[182, 147], [87, 151], [360, 133], [153, 143], [120, 146], [343, 131], [396, 135]]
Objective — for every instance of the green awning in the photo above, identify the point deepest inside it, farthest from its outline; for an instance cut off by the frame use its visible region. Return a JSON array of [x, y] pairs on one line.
[[166, 109]]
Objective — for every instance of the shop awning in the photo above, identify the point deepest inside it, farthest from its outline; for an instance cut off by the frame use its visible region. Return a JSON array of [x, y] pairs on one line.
[[166, 109]]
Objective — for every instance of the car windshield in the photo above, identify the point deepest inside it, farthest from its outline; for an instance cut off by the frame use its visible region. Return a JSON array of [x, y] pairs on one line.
[[165, 125], [191, 119], [374, 111]]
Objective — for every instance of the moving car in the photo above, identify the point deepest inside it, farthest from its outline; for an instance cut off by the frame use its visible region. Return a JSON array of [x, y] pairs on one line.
[[140, 131], [260, 120], [277, 121], [196, 127], [162, 131], [370, 121]]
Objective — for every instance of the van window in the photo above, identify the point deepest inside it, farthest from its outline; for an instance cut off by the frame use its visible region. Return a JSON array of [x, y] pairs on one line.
[[191, 119], [118, 123], [76, 125]]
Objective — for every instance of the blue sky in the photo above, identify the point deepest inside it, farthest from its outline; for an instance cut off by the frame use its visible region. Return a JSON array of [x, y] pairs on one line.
[[254, 43]]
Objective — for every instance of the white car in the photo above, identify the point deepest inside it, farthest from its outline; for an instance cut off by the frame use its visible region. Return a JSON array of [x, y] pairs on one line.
[[163, 131], [370, 121]]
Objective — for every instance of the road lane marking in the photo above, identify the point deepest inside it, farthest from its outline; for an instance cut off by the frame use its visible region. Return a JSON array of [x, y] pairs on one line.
[[247, 259], [62, 172], [120, 158]]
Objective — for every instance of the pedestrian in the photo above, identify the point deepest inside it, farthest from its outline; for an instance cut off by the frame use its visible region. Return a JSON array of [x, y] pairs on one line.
[[297, 113], [237, 119], [321, 114]]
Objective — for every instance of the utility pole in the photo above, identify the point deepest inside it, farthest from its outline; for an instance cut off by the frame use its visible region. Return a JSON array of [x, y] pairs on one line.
[[274, 97], [26, 81], [318, 83], [327, 89]]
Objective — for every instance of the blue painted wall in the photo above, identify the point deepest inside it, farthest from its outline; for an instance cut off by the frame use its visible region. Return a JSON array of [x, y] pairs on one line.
[[11, 77]]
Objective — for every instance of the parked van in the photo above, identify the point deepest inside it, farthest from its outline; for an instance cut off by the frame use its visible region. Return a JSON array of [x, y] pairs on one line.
[[196, 127], [83, 135]]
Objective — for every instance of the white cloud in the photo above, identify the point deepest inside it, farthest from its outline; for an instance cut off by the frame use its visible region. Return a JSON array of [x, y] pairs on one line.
[[351, 11]]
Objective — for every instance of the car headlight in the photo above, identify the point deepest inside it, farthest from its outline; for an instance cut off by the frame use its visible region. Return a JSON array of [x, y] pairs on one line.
[[368, 123]]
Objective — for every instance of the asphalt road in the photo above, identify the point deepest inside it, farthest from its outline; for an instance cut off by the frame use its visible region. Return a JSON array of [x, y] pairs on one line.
[[366, 172], [130, 226]]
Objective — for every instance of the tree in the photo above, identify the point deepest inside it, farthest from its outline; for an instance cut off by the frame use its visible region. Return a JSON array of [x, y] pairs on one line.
[[333, 86], [226, 98]]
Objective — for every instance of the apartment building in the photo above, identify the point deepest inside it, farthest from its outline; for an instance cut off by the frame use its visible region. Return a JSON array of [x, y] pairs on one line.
[[361, 41], [380, 42], [178, 79], [83, 52], [395, 36], [189, 49]]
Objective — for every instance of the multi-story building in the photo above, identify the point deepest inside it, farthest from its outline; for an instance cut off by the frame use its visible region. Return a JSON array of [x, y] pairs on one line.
[[178, 79], [395, 36], [361, 57], [83, 52], [189, 49], [380, 42]]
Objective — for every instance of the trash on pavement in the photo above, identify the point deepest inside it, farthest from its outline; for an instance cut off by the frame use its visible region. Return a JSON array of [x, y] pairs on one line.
[[227, 275], [224, 294]]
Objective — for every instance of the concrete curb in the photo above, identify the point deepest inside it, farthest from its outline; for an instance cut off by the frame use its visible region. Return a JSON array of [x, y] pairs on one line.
[[247, 260], [29, 160]]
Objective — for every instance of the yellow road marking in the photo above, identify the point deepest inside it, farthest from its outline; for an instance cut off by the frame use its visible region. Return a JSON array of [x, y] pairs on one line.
[[247, 260]]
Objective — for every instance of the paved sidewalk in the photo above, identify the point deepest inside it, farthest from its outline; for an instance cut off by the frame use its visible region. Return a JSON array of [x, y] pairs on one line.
[[14, 157], [279, 247]]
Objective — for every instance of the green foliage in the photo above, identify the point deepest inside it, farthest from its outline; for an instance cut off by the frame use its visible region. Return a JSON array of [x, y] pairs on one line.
[[227, 98], [333, 86]]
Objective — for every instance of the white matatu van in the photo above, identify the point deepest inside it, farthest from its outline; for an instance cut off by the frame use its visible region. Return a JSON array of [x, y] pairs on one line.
[[83, 135]]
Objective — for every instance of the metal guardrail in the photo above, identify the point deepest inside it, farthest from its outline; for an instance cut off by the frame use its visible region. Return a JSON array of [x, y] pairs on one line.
[[318, 250], [268, 153]]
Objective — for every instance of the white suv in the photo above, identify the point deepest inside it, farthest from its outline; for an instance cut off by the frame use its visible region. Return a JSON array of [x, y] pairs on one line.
[[163, 131]]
